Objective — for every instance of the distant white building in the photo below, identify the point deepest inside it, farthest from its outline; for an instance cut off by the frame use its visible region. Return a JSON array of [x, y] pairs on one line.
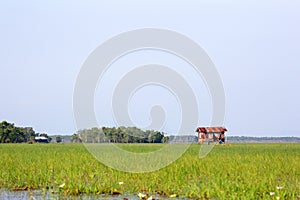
[[41, 139]]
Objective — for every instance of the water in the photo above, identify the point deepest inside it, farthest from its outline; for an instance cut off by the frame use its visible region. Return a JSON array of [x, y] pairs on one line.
[[41, 195], [20, 195]]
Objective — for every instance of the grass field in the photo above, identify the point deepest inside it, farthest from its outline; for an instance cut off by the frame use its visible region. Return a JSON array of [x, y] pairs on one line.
[[236, 171]]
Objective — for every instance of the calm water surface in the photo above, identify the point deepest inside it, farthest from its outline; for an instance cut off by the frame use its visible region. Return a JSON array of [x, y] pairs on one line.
[[40, 195]]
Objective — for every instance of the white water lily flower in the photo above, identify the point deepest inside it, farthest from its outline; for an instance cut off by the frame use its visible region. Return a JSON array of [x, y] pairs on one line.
[[272, 193], [141, 195], [150, 198]]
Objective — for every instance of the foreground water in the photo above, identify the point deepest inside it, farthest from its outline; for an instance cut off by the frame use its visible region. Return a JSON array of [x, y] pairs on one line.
[[40, 195]]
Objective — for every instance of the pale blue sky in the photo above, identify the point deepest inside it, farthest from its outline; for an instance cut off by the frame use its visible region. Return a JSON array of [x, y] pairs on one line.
[[255, 46]]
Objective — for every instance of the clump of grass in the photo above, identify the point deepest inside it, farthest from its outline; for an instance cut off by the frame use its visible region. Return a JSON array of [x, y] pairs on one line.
[[243, 171]]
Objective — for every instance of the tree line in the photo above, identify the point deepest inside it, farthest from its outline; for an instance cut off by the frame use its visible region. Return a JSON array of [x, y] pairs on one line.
[[119, 135], [9, 133]]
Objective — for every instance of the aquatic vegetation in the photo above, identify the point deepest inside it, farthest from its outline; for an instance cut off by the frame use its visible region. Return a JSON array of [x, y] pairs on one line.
[[235, 171]]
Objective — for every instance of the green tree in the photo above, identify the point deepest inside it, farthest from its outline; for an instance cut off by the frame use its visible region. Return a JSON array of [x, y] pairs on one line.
[[10, 133]]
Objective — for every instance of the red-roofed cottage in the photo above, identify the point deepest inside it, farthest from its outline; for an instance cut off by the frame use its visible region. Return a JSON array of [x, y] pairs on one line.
[[211, 134]]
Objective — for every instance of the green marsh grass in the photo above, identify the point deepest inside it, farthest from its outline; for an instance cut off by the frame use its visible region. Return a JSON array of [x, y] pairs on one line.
[[234, 171]]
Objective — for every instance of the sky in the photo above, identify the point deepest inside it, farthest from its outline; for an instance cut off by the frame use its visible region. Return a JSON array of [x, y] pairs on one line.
[[254, 45]]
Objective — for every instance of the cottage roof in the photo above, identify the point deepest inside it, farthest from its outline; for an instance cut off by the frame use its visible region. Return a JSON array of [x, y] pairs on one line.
[[211, 129]]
